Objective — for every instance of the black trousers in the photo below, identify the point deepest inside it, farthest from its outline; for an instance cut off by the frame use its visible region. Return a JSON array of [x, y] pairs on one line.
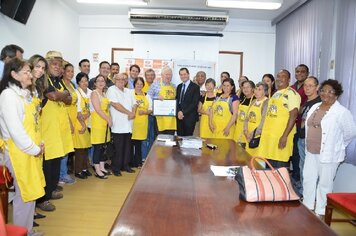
[[295, 158], [51, 173], [98, 153], [121, 159], [185, 128], [136, 153]]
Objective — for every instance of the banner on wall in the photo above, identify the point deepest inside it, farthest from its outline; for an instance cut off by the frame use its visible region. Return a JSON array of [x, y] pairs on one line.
[[145, 64], [193, 66]]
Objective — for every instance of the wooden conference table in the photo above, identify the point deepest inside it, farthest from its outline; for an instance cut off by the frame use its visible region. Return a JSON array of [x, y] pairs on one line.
[[177, 194]]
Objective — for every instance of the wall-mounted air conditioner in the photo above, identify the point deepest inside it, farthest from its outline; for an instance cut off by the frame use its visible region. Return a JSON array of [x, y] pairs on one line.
[[173, 19]]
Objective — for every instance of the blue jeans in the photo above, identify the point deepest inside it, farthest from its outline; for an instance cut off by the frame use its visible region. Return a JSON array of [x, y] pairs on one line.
[[63, 172], [146, 144], [90, 155], [301, 149]]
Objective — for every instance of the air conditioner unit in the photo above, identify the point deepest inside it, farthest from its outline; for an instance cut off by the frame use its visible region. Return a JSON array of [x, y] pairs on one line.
[[173, 19]]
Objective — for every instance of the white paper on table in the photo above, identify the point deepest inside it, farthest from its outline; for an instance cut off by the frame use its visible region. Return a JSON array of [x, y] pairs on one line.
[[222, 170], [170, 143]]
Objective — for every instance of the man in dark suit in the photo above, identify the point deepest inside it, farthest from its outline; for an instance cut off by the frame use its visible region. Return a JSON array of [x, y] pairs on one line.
[[188, 94]]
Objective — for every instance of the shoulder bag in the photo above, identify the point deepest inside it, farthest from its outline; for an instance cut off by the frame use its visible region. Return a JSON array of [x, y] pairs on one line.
[[109, 150], [267, 185], [255, 141]]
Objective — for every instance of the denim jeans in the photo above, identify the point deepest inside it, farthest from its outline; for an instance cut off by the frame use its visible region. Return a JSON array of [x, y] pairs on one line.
[[146, 144], [90, 155], [63, 172], [301, 149]]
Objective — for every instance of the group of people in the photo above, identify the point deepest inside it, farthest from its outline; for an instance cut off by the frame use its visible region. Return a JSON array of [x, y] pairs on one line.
[[302, 125], [46, 118]]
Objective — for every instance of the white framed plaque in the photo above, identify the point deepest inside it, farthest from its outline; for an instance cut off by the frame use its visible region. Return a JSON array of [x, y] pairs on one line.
[[164, 107]]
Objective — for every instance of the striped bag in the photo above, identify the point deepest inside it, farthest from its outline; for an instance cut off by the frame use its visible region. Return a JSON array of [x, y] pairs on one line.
[[267, 185]]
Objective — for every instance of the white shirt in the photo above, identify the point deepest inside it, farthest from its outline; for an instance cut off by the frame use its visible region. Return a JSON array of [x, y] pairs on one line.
[[203, 88], [338, 129], [186, 84], [121, 123], [12, 114]]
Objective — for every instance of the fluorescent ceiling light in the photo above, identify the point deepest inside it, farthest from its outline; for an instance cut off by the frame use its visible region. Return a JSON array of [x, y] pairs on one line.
[[246, 4], [116, 2]]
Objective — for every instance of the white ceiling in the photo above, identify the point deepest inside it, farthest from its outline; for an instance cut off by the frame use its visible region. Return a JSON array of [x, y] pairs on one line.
[[96, 9]]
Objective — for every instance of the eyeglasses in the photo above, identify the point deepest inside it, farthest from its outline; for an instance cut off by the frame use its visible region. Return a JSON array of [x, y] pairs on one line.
[[310, 85], [25, 71], [327, 91]]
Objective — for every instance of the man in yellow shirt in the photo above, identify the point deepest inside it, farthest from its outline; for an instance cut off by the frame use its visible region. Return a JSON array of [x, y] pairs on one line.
[[279, 128]]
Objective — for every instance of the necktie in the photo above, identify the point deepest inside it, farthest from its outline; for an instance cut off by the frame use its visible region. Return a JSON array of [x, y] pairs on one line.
[[182, 94]]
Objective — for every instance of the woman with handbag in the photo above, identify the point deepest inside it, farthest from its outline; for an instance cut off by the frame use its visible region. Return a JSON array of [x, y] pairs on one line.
[[204, 108], [140, 123], [81, 139], [224, 111], [20, 129], [329, 128], [247, 88], [100, 123], [255, 118]]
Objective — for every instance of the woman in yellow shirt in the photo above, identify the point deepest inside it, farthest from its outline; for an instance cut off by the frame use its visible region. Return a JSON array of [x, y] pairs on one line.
[[64, 177], [81, 140], [224, 111], [39, 68], [247, 88], [20, 131], [204, 108], [140, 123], [100, 126], [255, 116]]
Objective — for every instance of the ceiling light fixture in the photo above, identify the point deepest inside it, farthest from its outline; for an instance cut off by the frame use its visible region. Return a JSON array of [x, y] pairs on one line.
[[246, 4], [117, 2]]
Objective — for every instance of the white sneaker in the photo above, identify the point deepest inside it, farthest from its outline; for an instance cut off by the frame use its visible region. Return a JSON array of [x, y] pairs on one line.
[[36, 233], [66, 180]]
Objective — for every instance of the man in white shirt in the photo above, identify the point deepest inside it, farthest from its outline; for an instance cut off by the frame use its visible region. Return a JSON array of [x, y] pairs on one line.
[[122, 111]]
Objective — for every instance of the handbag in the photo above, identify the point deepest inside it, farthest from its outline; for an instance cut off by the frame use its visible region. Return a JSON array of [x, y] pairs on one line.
[[264, 185], [109, 150], [255, 141]]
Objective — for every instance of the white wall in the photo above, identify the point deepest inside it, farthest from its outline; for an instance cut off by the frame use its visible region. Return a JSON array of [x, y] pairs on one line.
[[54, 26], [345, 178], [256, 39], [98, 34], [51, 26]]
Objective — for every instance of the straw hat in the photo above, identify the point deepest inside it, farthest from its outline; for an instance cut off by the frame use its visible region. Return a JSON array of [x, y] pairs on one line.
[[51, 55]]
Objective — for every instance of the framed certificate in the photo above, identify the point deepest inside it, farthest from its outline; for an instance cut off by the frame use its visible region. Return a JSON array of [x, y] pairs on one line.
[[164, 107]]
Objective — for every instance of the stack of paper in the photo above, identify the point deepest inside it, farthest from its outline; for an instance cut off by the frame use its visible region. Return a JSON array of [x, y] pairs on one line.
[[192, 142], [167, 139]]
